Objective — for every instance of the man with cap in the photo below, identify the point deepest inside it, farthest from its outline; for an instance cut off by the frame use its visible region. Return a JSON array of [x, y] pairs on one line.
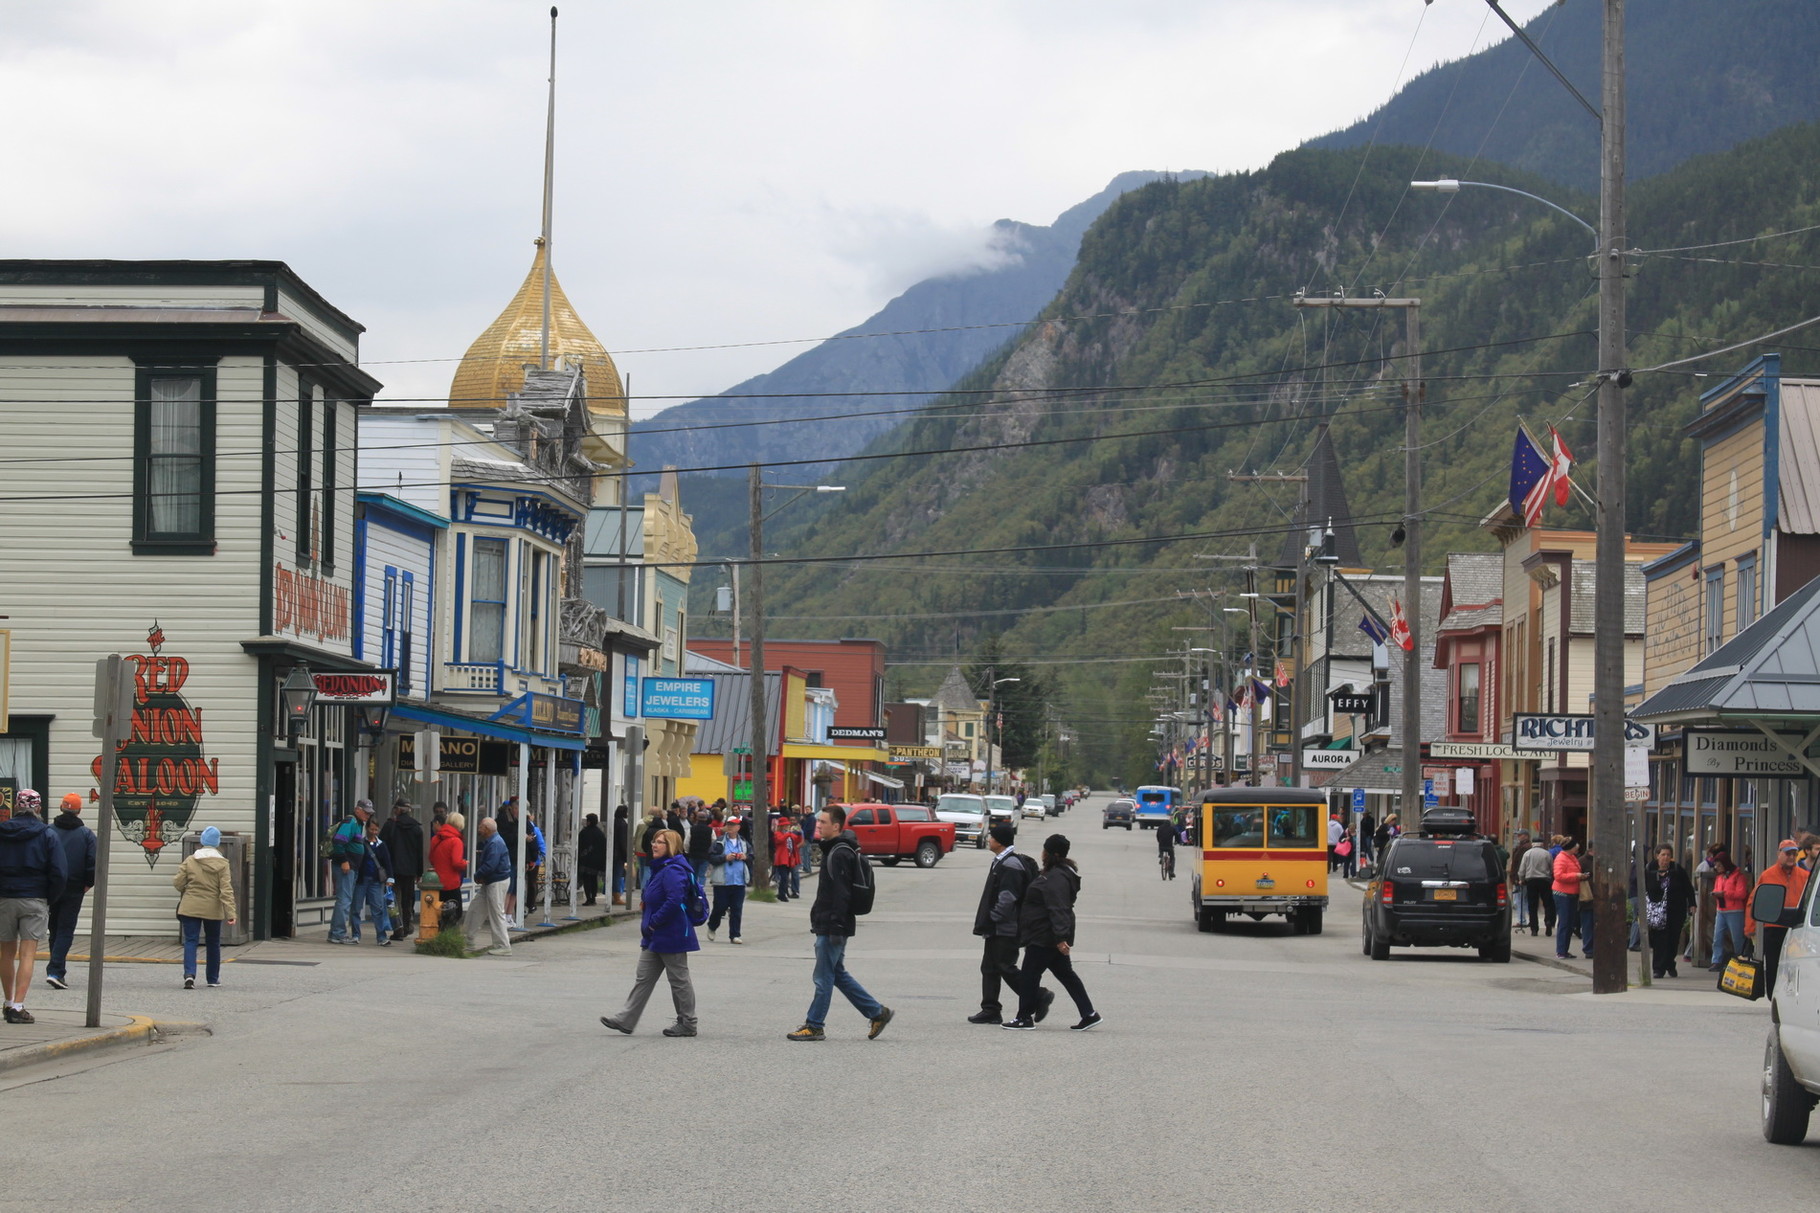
[[31, 880], [78, 842], [1793, 881], [403, 839], [996, 921], [347, 852]]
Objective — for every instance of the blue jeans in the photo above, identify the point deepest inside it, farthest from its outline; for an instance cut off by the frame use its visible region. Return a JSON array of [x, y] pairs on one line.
[[369, 896], [700, 867], [63, 932], [796, 881], [831, 974], [192, 928], [344, 902], [1727, 923], [1567, 922], [781, 873], [1519, 901]]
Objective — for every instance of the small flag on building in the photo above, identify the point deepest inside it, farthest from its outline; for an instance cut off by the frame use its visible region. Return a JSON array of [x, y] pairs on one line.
[[1559, 466], [1282, 678], [1373, 629], [1399, 628]]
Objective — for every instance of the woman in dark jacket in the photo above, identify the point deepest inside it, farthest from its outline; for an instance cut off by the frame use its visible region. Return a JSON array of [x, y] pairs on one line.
[[591, 858], [1045, 930], [622, 833], [668, 938], [1669, 895]]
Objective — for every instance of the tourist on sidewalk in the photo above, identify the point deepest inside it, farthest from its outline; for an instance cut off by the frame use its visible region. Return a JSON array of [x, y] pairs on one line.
[[370, 888], [833, 923], [727, 878], [78, 842], [667, 937], [591, 858], [1566, 889], [1731, 889], [492, 875], [31, 878], [784, 853], [1536, 872], [1046, 929], [1792, 880], [448, 856], [206, 900], [1668, 894], [347, 846], [403, 838], [622, 837]]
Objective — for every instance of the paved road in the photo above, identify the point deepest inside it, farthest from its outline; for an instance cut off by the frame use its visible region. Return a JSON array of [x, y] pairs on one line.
[[1249, 1070]]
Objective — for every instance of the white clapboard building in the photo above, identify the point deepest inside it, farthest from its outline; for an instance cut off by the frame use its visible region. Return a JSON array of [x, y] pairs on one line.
[[179, 446]]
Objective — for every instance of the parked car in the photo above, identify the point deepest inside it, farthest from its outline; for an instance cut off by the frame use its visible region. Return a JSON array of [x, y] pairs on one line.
[[1002, 808], [1121, 812], [1034, 807], [1791, 1054], [1442, 885], [894, 832], [967, 813], [1050, 806]]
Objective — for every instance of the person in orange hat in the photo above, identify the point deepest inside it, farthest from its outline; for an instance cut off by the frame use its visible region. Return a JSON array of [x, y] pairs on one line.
[[78, 842], [1793, 880]]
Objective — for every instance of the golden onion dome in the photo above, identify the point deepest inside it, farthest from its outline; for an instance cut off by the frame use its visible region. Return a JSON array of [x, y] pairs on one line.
[[494, 366]]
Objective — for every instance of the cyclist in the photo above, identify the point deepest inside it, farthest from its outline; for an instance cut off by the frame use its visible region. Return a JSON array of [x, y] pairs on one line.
[[1165, 848]]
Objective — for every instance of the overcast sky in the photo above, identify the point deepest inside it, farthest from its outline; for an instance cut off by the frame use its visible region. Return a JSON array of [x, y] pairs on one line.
[[728, 173]]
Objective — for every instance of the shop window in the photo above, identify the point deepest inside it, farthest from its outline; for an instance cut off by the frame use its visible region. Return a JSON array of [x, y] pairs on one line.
[[1747, 591], [487, 601], [174, 459], [1715, 608], [1466, 713]]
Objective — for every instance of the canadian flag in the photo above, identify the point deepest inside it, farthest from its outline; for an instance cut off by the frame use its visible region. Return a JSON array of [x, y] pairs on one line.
[[1399, 628], [1559, 464]]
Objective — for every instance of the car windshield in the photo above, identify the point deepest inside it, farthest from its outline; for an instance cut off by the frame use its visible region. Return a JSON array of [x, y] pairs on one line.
[[1001, 804], [1427, 859], [960, 804]]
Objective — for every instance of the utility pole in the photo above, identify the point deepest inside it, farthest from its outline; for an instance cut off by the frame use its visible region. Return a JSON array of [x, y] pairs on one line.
[[1607, 803], [1413, 391], [1296, 695], [760, 742]]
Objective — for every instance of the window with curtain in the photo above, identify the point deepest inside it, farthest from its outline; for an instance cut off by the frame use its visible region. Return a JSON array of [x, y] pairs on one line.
[[487, 602], [331, 486], [174, 476], [1747, 591], [407, 611], [1467, 713], [1715, 608]]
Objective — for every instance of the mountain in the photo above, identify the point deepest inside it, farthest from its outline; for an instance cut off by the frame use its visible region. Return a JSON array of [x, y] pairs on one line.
[[1701, 77], [940, 329], [1174, 355]]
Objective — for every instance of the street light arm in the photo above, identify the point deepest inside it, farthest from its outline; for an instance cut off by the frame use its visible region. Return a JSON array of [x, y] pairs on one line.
[[1449, 185], [1537, 52]]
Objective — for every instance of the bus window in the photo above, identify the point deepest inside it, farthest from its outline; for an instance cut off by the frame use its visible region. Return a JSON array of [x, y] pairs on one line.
[[1295, 825], [1237, 827]]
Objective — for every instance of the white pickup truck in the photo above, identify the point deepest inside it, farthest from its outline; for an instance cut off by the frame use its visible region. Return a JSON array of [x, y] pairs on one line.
[[1791, 1056]]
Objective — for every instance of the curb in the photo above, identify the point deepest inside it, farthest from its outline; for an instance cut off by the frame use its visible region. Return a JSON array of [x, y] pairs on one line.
[[142, 1030]]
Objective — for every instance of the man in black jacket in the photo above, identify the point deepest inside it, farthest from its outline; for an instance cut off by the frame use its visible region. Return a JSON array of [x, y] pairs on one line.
[[996, 922], [403, 838], [832, 920], [591, 857]]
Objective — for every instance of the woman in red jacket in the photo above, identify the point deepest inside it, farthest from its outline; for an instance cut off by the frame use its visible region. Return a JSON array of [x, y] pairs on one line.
[[447, 857], [1731, 888], [1566, 888]]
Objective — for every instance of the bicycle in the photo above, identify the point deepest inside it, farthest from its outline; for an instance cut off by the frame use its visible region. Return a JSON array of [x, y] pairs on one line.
[[1166, 861]]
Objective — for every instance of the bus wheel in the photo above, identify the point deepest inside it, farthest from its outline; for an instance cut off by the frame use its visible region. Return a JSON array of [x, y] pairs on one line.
[[1212, 920], [1298, 922]]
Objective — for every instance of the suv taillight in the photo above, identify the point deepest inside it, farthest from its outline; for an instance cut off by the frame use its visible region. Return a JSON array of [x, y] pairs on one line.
[[1387, 893], [1503, 895]]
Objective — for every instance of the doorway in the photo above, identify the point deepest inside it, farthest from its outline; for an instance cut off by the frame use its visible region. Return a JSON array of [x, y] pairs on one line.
[[283, 850]]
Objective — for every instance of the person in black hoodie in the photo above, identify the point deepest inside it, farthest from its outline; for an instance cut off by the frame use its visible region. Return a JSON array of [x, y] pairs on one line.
[[832, 920], [31, 879], [1046, 929], [403, 839], [996, 922], [1669, 894], [79, 865], [591, 857]]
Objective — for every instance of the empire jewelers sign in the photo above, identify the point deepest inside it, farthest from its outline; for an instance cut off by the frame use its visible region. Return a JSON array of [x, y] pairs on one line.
[[1741, 754], [678, 698]]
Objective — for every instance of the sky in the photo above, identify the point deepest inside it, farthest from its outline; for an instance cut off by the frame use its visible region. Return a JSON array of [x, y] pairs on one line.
[[747, 175]]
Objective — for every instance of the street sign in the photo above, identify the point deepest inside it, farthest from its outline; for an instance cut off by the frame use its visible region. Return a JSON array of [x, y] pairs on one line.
[[113, 697], [1428, 794], [1741, 754], [1347, 701], [1358, 800]]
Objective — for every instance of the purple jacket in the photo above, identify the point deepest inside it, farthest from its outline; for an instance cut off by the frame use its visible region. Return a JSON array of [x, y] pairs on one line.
[[666, 925]]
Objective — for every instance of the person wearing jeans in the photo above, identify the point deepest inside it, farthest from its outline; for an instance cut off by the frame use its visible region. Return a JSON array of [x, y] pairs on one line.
[[347, 848], [206, 888], [832, 919], [1567, 877], [1730, 889], [727, 878]]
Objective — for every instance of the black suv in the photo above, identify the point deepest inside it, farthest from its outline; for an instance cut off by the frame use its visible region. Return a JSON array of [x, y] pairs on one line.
[[1443, 886]]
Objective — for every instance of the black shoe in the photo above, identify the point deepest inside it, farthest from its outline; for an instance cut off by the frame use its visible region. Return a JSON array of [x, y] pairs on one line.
[[56, 983], [679, 1029], [1673, 971], [1092, 1021], [1042, 1012], [189, 983], [986, 1017], [1019, 1024], [20, 1016], [885, 1016]]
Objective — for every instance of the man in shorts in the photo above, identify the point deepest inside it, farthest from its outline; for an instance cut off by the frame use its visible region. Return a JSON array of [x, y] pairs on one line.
[[31, 878]]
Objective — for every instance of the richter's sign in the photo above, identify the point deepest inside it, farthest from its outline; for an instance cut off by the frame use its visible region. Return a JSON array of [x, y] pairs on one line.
[[159, 770], [1568, 732]]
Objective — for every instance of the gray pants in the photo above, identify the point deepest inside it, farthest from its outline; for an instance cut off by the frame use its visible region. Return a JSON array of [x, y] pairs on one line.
[[675, 965], [488, 913]]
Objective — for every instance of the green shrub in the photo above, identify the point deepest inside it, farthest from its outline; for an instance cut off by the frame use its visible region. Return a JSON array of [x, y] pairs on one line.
[[450, 942]]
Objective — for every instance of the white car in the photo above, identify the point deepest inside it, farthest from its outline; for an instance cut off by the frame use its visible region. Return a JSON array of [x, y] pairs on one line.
[[1791, 1055], [1034, 807]]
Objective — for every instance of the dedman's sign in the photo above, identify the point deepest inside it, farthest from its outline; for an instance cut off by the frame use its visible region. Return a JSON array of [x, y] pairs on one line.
[[1566, 732], [1740, 755]]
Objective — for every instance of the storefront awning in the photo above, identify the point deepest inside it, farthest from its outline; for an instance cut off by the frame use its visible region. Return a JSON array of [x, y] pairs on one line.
[[884, 781], [487, 728], [1769, 672], [836, 753]]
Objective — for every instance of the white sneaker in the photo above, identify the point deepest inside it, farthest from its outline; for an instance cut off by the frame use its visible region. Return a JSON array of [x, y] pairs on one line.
[[740, 942], [499, 951], [710, 936]]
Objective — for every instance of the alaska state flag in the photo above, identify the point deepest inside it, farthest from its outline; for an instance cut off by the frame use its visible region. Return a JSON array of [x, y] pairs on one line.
[[1531, 478], [1378, 632]]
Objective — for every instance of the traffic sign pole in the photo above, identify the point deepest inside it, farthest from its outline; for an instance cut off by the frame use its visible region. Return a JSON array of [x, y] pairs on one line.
[[112, 724]]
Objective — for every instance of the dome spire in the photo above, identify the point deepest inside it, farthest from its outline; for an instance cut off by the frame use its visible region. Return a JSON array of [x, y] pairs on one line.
[[549, 195]]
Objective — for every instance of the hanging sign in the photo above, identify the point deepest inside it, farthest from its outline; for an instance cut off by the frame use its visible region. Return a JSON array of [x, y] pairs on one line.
[[1328, 760], [678, 698], [1568, 732], [378, 686], [630, 707], [1740, 754], [842, 732]]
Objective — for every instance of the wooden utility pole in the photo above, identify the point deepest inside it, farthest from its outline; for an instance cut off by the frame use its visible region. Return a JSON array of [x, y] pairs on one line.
[[1297, 698], [1413, 391], [760, 742]]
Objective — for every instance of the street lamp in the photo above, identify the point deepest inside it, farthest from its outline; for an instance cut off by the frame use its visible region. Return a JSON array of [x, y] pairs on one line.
[[1448, 185], [991, 699], [761, 793], [298, 694]]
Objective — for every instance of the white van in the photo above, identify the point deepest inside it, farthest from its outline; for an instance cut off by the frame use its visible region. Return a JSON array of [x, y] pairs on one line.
[[967, 812]]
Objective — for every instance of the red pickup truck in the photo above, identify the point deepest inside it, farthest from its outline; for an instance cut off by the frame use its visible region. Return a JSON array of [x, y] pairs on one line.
[[892, 832]]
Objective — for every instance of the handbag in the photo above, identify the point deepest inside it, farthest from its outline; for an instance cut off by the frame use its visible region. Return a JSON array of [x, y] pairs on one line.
[[1656, 914], [1344, 849], [1742, 977]]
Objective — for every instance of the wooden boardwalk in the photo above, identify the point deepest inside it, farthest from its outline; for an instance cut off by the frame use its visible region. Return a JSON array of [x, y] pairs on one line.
[[149, 949]]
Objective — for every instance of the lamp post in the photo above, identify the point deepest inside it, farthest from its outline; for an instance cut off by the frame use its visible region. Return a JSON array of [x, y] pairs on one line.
[[298, 694], [991, 701], [761, 793]]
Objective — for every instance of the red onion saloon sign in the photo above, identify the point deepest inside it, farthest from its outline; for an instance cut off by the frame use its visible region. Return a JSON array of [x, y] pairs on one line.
[[159, 770]]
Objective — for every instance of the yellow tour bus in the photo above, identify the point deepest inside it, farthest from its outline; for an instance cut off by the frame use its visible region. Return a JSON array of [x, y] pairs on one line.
[[1263, 851]]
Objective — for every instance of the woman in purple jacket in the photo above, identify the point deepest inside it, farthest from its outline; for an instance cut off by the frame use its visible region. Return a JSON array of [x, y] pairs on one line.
[[671, 898]]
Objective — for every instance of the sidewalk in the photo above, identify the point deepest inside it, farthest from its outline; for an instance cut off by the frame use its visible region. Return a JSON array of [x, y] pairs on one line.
[[562, 919], [58, 1034], [1540, 949]]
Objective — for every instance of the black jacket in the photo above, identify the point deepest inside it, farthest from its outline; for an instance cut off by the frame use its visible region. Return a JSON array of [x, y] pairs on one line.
[[832, 911], [1673, 885], [701, 840], [591, 849], [78, 842], [1006, 881], [622, 833], [403, 837], [1047, 918]]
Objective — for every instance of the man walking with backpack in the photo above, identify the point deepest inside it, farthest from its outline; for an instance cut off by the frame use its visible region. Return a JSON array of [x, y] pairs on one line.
[[844, 892], [347, 850], [996, 921]]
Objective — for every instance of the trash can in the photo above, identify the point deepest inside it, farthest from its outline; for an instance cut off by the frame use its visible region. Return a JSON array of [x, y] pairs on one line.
[[235, 850]]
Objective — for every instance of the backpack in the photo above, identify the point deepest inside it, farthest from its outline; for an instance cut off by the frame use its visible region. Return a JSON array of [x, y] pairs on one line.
[[696, 903], [863, 888]]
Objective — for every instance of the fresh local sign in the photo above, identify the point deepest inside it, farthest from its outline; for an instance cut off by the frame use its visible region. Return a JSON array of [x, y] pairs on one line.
[[678, 698], [1531, 732], [1750, 755]]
